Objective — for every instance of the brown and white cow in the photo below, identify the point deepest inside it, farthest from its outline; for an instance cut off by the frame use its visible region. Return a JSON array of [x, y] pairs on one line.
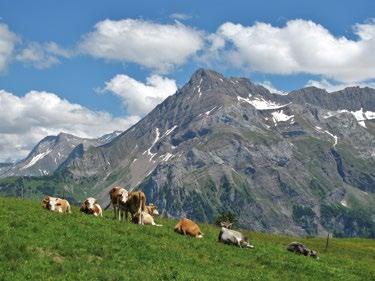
[[90, 206], [116, 195], [152, 210], [135, 204], [56, 204], [188, 227], [147, 219]]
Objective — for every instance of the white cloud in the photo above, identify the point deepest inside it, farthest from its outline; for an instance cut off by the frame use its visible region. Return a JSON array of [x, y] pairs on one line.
[[180, 16], [268, 85], [7, 42], [140, 98], [43, 55], [300, 47], [157, 46], [332, 86], [26, 120]]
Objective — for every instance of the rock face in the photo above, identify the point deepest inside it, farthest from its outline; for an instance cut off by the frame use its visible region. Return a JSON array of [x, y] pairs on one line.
[[51, 153], [301, 163]]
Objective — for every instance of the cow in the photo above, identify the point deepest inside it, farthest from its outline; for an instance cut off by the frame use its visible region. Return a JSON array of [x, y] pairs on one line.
[[56, 204], [229, 236], [134, 204], [90, 206], [188, 227], [299, 248], [116, 195], [147, 219], [45, 201], [152, 210]]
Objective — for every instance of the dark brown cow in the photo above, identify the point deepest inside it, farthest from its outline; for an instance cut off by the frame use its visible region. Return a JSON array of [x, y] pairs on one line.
[[135, 205], [299, 248]]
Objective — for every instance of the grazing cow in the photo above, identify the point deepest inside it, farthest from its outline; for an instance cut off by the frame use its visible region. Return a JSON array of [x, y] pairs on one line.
[[299, 248], [188, 227], [229, 236], [116, 195], [56, 204], [135, 204], [90, 206]]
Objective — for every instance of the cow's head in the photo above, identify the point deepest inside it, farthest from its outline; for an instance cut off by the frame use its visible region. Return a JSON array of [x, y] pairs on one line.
[[123, 196], [226, 224], [90, 202], [245, 243], [313, 254], [53, 203], [153, 210]]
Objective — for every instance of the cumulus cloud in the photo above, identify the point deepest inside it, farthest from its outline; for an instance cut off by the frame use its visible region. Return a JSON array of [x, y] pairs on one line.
[[160, 47], [7, 42], [268, 85], [179, 16], [140, 98], [43, 55], [26, 120], [300, 46], [332, 86]]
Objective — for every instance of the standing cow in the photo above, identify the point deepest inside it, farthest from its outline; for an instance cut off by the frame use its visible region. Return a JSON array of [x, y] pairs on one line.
[[117, 195], [90, 206], [135, 204]]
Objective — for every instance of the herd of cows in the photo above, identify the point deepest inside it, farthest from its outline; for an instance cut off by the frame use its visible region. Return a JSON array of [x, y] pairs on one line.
[[134, 202]]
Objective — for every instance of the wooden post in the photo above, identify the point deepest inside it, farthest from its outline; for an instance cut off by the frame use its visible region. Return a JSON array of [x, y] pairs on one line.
[[327, 242]]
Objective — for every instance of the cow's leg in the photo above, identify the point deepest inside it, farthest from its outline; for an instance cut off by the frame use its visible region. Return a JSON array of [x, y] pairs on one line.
[[115, 211], [119, 211]]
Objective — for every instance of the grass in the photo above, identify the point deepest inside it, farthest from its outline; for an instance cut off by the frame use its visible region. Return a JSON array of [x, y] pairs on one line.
[[39, 245]]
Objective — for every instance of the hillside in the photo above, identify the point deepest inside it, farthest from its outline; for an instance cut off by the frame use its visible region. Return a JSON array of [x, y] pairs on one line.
[[39, 245], [298, 164], [53, 153]]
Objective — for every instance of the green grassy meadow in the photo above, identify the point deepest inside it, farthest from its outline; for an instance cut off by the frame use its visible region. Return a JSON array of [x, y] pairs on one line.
[[36, 244]]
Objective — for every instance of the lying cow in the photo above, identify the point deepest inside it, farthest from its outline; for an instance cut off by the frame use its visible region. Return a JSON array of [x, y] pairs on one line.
[[188, 227], [147, 219], [90, 206], [299, 248], [56, 204], [116, 195], [152, 210], [134, 204], [229, 236], [148, 216]]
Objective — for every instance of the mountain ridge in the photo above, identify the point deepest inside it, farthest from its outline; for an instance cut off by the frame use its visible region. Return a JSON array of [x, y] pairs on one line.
[[301, 163]]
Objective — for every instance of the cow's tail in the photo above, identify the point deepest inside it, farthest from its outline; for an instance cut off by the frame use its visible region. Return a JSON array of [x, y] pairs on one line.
[[109, 204]]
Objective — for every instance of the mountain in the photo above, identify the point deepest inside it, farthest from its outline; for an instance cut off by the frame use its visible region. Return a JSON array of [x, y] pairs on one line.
[[53, 152], [301, 163]]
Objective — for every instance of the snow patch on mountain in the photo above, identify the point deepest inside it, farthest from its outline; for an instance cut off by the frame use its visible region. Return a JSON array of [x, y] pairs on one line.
[[35, 159], [280, 116], [261, 104]]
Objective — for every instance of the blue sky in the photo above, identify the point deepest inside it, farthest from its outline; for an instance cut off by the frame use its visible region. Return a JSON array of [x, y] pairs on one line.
[[56, 50]]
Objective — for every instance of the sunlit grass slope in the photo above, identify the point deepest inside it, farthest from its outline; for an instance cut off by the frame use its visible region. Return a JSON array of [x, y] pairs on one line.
[[38, 245]]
